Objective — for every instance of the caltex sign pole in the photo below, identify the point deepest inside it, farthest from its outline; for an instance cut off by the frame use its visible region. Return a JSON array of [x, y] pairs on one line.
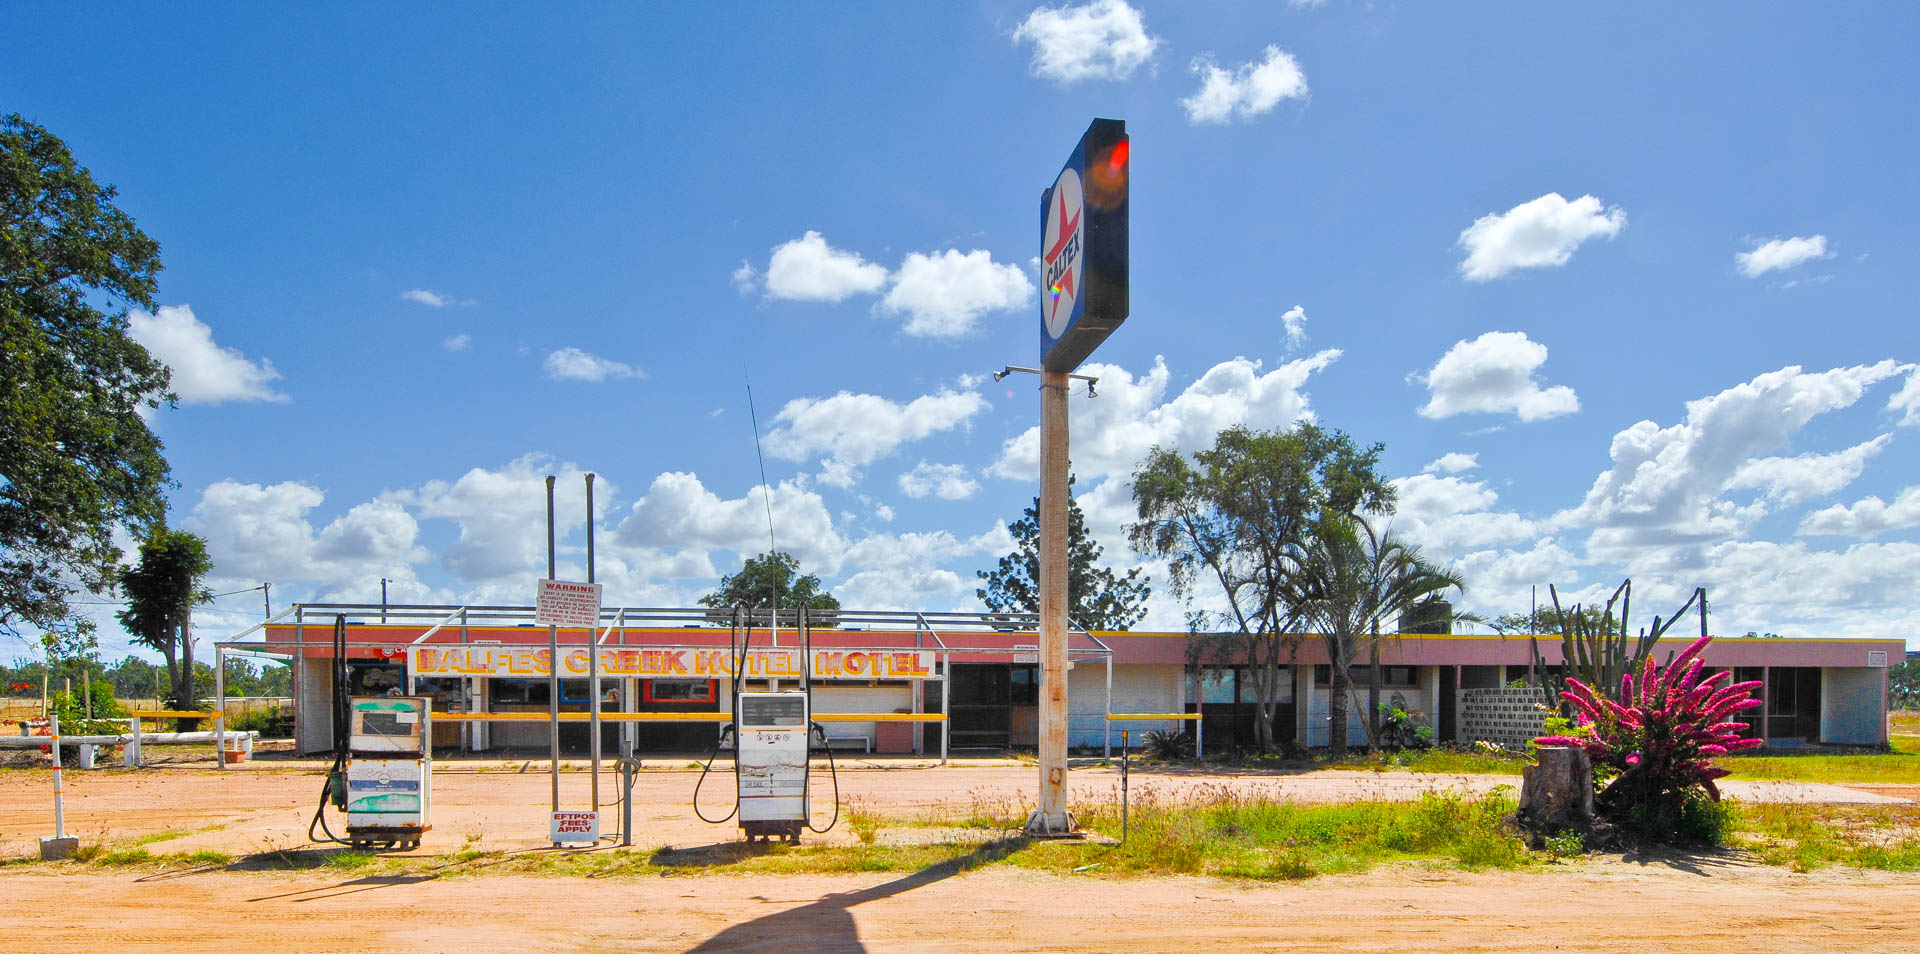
[[1083, 255]]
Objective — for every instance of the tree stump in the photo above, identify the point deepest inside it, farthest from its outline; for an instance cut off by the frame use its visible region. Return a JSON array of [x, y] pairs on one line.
[[1557, 793]]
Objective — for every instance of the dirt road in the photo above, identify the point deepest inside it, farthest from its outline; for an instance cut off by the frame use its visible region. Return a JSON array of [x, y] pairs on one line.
[[266, 805], [1606, 906]]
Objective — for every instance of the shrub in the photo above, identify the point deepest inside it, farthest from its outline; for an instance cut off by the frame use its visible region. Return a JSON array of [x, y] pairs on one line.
[[1398, 730], [1656, 743], [1168, 745]]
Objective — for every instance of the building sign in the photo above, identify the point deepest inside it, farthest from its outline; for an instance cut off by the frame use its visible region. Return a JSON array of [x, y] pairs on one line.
[[562, 603], [574, 826], [1084, 247], [530, 662]]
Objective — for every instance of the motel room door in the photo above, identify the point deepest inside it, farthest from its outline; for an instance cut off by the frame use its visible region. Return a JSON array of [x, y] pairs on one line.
[[982, 700]]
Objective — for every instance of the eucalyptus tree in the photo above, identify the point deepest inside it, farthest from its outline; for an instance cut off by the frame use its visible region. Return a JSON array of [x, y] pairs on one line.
[[161, 590], [1351, 580], [77, 459], [1234, 525]]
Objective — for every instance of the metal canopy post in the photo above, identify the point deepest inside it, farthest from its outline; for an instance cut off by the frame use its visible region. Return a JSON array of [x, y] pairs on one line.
[[593, 673], [553, 667]]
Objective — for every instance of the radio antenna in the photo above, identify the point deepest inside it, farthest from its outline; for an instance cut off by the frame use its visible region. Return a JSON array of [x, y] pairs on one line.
[[767, 498]]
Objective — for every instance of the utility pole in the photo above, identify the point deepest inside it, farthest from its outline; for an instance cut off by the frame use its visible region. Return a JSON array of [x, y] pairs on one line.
[[1050, 816]]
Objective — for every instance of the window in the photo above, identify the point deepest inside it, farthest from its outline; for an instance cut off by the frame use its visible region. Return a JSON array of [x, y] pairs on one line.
[[1025, 690], [679, 690], [1391, 677], [1217, 686], [517, 691]]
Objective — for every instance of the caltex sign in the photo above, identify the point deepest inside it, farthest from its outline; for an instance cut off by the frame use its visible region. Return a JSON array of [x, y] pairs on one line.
[[1083, 247]]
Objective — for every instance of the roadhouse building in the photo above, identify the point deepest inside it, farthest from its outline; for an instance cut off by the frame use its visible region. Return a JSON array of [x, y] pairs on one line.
[[940, 683]]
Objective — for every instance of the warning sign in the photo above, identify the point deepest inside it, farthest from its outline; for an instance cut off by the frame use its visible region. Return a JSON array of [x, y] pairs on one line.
[[562, 603], [575, 826]]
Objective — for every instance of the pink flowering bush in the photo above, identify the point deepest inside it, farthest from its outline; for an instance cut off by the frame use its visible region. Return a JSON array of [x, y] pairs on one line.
[[1658, 738]]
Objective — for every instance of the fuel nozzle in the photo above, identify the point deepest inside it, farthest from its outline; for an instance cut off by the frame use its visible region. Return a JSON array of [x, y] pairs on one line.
[[337, 789]]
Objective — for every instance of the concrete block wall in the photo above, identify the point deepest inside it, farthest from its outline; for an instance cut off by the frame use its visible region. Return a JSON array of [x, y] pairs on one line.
[[1509, 718]]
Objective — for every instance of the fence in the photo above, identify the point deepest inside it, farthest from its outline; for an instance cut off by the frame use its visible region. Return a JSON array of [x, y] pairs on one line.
[[1509, 718]]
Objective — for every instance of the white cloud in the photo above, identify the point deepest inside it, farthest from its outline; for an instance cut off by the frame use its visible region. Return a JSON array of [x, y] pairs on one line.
[[1493, 374], [1864, 590], [1907, 399], [1105, 39], [1866, 517], [257, 532], [573, 364], [1246, 91], [502, 517], [459, 342], [203, 371], [1453, 463], [1453, 514], [1665, 482], [1532, 234], [1790, 480], [1306, 4], [946, 481], [808, 269], [943, 295], [853, 430], [1780, 254], [1112, 433], [679, 512], [746, 278], [431, 298], [903, 571], [1295, 324]]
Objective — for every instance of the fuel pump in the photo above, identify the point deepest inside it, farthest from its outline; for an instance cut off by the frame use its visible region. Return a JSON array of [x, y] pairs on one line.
[[773, 735], [382, 773]]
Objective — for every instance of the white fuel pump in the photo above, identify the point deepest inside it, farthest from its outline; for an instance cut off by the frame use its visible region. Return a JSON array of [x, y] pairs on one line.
[[389, 770], [770, 751]]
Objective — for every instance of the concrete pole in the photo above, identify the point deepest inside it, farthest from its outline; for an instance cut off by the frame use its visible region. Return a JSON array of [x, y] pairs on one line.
[[1051, 816]]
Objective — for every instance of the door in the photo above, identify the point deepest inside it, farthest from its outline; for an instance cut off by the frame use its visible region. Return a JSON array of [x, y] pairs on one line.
[[982, 716]]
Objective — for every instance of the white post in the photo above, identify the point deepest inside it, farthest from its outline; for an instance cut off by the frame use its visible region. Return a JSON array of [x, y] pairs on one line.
[[59, 786], [130, 753], [1050, 813], [219, 707], [946, 703], [1200, 709], [1106, 742]]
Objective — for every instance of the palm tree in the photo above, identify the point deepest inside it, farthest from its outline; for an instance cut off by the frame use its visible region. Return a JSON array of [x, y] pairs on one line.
[[1350, 579]]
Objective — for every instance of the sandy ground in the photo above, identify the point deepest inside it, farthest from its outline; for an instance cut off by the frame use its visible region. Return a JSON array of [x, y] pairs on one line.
[[264, 806]]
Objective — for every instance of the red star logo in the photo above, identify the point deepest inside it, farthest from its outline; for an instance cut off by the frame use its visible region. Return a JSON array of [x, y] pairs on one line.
[[1067, 229]]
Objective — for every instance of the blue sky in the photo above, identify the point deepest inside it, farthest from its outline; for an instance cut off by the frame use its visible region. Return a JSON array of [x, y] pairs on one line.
[[1623, 289]]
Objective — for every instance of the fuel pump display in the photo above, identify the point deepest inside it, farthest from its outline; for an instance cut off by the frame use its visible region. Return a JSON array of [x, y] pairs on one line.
[[771, 763]]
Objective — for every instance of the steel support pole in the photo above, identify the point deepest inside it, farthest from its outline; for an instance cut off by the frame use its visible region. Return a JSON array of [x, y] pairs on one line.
[[1106, 731], [593, 671], [553, 667], [220, 707], [1050, 815], [946, 704]]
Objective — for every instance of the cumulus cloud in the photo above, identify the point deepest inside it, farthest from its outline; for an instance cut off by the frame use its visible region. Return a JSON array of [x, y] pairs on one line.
[[1453, 514], [459, 342], [1781, 254], [1105, 39], [261, 532], [1542, 232], [808, 269], [1247, 90], [1112, 433], [1494, 374], [945, 481], [944, 294], [1294, 322], [746, 278], [1867, 517], [854, 430], [679, 512], [1665, 482], [1906, 401], [433, 299], [203, 371], [502, 517], [1453, 463], [1790, 480], [573, 364]]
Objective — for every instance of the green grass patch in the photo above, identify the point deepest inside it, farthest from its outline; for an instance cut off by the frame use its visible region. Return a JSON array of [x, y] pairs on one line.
[[1898, 767], [172, 833], [123, 857], [1807, 837], [1458, 761], [349, 860]]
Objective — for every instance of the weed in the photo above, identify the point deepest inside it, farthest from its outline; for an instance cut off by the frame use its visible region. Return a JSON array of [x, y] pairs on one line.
[[349, 860], [1569, 844], [122, 857]]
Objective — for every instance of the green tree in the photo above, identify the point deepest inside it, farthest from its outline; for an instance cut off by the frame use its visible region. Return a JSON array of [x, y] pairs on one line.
[[161, 590], [1351, 580], [1903, 685], [76, 459], [1097, 598], [772, 578], [1235, 521]]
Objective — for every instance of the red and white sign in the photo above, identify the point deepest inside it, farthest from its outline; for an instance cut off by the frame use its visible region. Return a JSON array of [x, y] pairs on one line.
[[1063, 252], [563, 603], [574, 826], [667, 662]]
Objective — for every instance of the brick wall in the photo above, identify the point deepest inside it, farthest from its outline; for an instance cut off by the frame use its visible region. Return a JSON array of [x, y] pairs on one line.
[[1505, 717]]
